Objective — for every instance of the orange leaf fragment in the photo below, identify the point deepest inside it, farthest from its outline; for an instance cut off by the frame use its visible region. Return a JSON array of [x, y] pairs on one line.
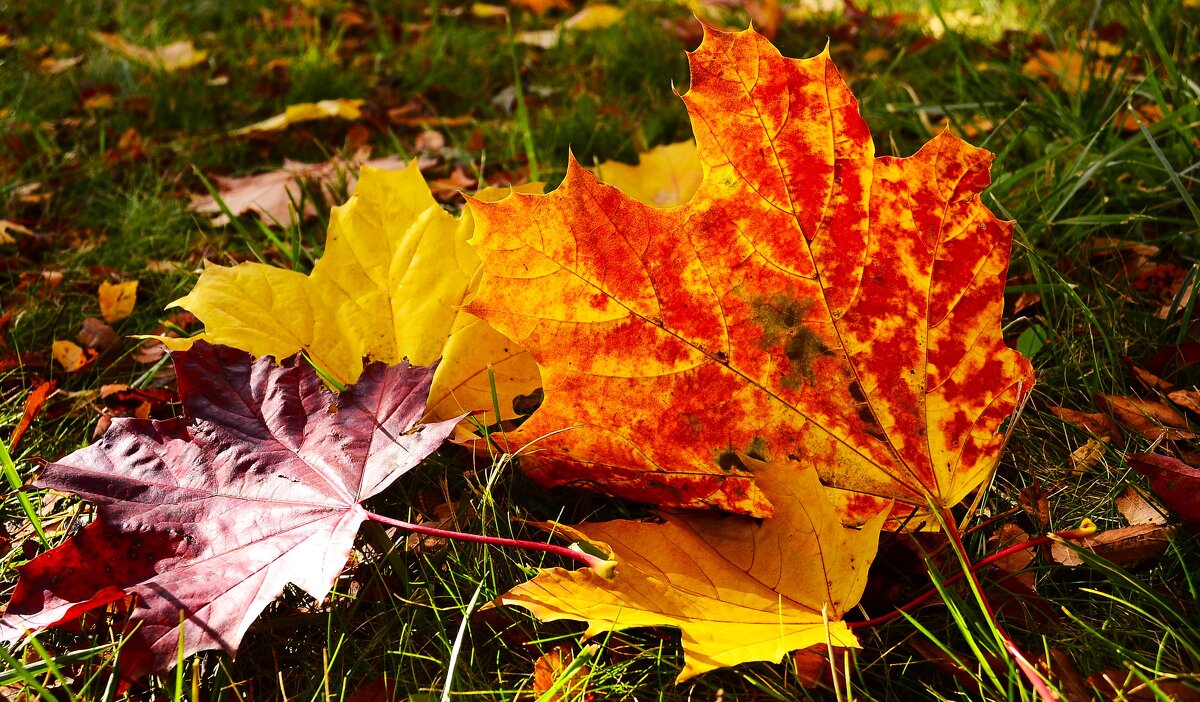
[[34, 402], [117, 300], [811, 301]]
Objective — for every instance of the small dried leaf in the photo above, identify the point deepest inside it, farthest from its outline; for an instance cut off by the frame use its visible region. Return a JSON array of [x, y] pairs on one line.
[[34, 402], [1087, 456], [172, 57], [1137, 510], [95, 333], [1124, 547], [71, 356], [341, 108], [117, 300]]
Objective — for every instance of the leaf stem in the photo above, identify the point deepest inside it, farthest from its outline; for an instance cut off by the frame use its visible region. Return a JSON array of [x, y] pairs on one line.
[[1072, 534], [1035, 678], [597, 564]]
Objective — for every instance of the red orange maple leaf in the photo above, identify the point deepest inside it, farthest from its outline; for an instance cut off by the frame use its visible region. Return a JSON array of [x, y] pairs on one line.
[[812, 301]]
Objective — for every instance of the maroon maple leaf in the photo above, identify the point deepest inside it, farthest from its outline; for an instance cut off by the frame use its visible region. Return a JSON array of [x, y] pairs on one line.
[[209, 516]]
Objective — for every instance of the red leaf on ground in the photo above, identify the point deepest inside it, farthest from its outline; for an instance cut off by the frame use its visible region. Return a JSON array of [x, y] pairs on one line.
[[212, 514], [1176, 483]]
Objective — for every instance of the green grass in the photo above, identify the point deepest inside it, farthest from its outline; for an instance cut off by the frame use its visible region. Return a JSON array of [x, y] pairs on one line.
[[1062, 172]]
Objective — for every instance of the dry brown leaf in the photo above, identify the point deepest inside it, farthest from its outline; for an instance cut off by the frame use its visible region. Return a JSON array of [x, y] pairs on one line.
[[95, 333], [270, 195], [1137, 510], [1155, 421], [1148, 380], [1187, 399], [1087, 456], [1099, 424], [1014, 563], [1124, 547]]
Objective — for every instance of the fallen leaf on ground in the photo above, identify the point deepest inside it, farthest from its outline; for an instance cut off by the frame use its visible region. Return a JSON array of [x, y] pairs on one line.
[[541, 7], [71, 356], [738, 590], [54, 66], [664, 176], [95, 333], [811, 301], [1015, 564], [8, 228], [1099, 424], [1187, 399], [1137, 510], [396, 270], [117, 300], [341, 108], [592, 17], [272, 195], [1124, 547], [1070, 69], [213, 514], [551, 666], [34, 402], [1148, 114], [1087, 456], [1155, 421], [1174, 482], [172, 57]]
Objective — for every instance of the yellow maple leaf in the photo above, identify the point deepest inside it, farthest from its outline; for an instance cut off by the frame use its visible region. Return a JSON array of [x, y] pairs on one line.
[[738, 591], [172, 57], [395, 273], [117, 300], [665, 176], [811, 301], [341, 108]]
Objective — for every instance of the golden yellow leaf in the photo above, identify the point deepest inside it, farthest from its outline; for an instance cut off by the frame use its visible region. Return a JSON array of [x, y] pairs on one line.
[[592, 17], [117, 300], [71, 356], [395, 272], [811, 301], [665, 176], [597, 16], [172, 57], [342, 108], [738, 591]]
